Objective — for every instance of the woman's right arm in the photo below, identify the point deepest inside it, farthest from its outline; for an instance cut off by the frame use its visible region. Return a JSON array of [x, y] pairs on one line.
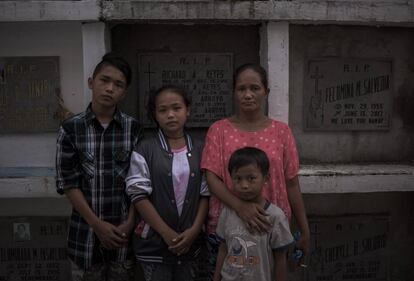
[[251, 213]]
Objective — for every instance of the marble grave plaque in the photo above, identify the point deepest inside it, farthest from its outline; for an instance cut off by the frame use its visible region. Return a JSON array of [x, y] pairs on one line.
[[29, 90], [351, 248], [347, 94], [34, 248]]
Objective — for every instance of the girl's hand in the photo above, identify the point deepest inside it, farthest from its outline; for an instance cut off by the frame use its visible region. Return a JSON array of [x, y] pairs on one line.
[[184, 241], [254, 216], [170, 237]]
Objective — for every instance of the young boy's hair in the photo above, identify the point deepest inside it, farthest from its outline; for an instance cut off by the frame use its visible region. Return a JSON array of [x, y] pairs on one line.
[[152, 100], [116, 61], [247, 156]]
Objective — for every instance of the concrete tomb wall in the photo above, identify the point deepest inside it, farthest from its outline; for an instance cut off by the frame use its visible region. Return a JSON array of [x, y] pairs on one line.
[[386, 89]]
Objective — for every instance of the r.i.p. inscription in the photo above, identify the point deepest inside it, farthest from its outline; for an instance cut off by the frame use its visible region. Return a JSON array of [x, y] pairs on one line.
[[206, 77]]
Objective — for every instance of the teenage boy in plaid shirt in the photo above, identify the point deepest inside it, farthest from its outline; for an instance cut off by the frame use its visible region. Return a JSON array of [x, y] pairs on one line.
[[92, 159]]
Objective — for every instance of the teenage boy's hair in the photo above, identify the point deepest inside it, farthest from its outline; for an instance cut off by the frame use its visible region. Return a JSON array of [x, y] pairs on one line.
[[247, 156], [116, 61]]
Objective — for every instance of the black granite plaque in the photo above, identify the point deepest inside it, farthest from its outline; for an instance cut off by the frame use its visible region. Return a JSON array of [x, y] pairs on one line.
[[207, 78], [29, 87], [353, 248], [347, 94], [33, 248]]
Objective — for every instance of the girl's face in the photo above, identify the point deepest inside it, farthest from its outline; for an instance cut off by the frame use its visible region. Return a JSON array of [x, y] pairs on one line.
[[171, 113], [249, 91]]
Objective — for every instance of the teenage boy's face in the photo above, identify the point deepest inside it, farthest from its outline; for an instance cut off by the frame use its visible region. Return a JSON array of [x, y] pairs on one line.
[[108, 86], [248, 182]]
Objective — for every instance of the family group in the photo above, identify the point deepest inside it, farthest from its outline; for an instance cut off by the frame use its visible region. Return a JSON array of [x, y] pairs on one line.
[[172, 203]]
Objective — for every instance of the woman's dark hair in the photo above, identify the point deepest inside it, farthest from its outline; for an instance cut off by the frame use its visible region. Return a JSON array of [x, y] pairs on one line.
[[249, 156], [151, 106], [116, 61], [256, 68]]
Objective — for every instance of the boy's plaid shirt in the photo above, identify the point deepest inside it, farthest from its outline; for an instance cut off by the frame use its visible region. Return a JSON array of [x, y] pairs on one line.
[[95, 160]]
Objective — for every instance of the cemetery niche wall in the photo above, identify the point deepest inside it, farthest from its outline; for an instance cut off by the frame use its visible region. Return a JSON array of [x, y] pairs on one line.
[[212, 51]]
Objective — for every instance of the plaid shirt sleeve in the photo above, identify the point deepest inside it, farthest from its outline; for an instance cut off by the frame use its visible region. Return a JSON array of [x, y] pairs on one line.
[[67, 163]]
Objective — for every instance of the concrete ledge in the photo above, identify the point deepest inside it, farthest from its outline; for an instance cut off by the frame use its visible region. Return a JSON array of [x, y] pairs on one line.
[[356, 178], [32, 207], [371, 12], [395, 12], [27, 183], [40, 182], [12, 11]]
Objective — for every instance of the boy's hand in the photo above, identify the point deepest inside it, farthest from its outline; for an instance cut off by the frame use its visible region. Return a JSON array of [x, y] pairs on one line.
[[109, 235], [184, 241], [254, 217], [125, 229]]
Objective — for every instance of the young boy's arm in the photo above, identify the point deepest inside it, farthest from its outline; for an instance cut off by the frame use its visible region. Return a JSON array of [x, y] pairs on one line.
[[221, 256], [280, 265]]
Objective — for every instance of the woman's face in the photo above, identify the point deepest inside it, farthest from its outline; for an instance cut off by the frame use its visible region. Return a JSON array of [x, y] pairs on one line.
[[249, 91]]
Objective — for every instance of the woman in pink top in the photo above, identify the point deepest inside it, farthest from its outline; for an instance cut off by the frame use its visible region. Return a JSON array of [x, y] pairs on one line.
[[251, 127]]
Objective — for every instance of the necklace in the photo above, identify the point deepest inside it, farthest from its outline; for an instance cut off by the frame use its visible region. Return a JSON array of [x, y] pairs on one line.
[[175, 138]]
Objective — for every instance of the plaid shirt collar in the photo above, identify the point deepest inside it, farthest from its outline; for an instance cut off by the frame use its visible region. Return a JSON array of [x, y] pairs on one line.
[[90, 116]]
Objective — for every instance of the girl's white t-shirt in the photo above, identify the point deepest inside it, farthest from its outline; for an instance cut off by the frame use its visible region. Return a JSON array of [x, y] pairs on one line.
[[180, 176]]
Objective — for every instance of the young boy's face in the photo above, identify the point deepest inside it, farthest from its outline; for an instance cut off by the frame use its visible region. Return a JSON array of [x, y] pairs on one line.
[[248, 182], [108, 86]]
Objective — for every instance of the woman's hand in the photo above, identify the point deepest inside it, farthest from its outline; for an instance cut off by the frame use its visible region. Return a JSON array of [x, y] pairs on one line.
[[254, 217], [304, 243]]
